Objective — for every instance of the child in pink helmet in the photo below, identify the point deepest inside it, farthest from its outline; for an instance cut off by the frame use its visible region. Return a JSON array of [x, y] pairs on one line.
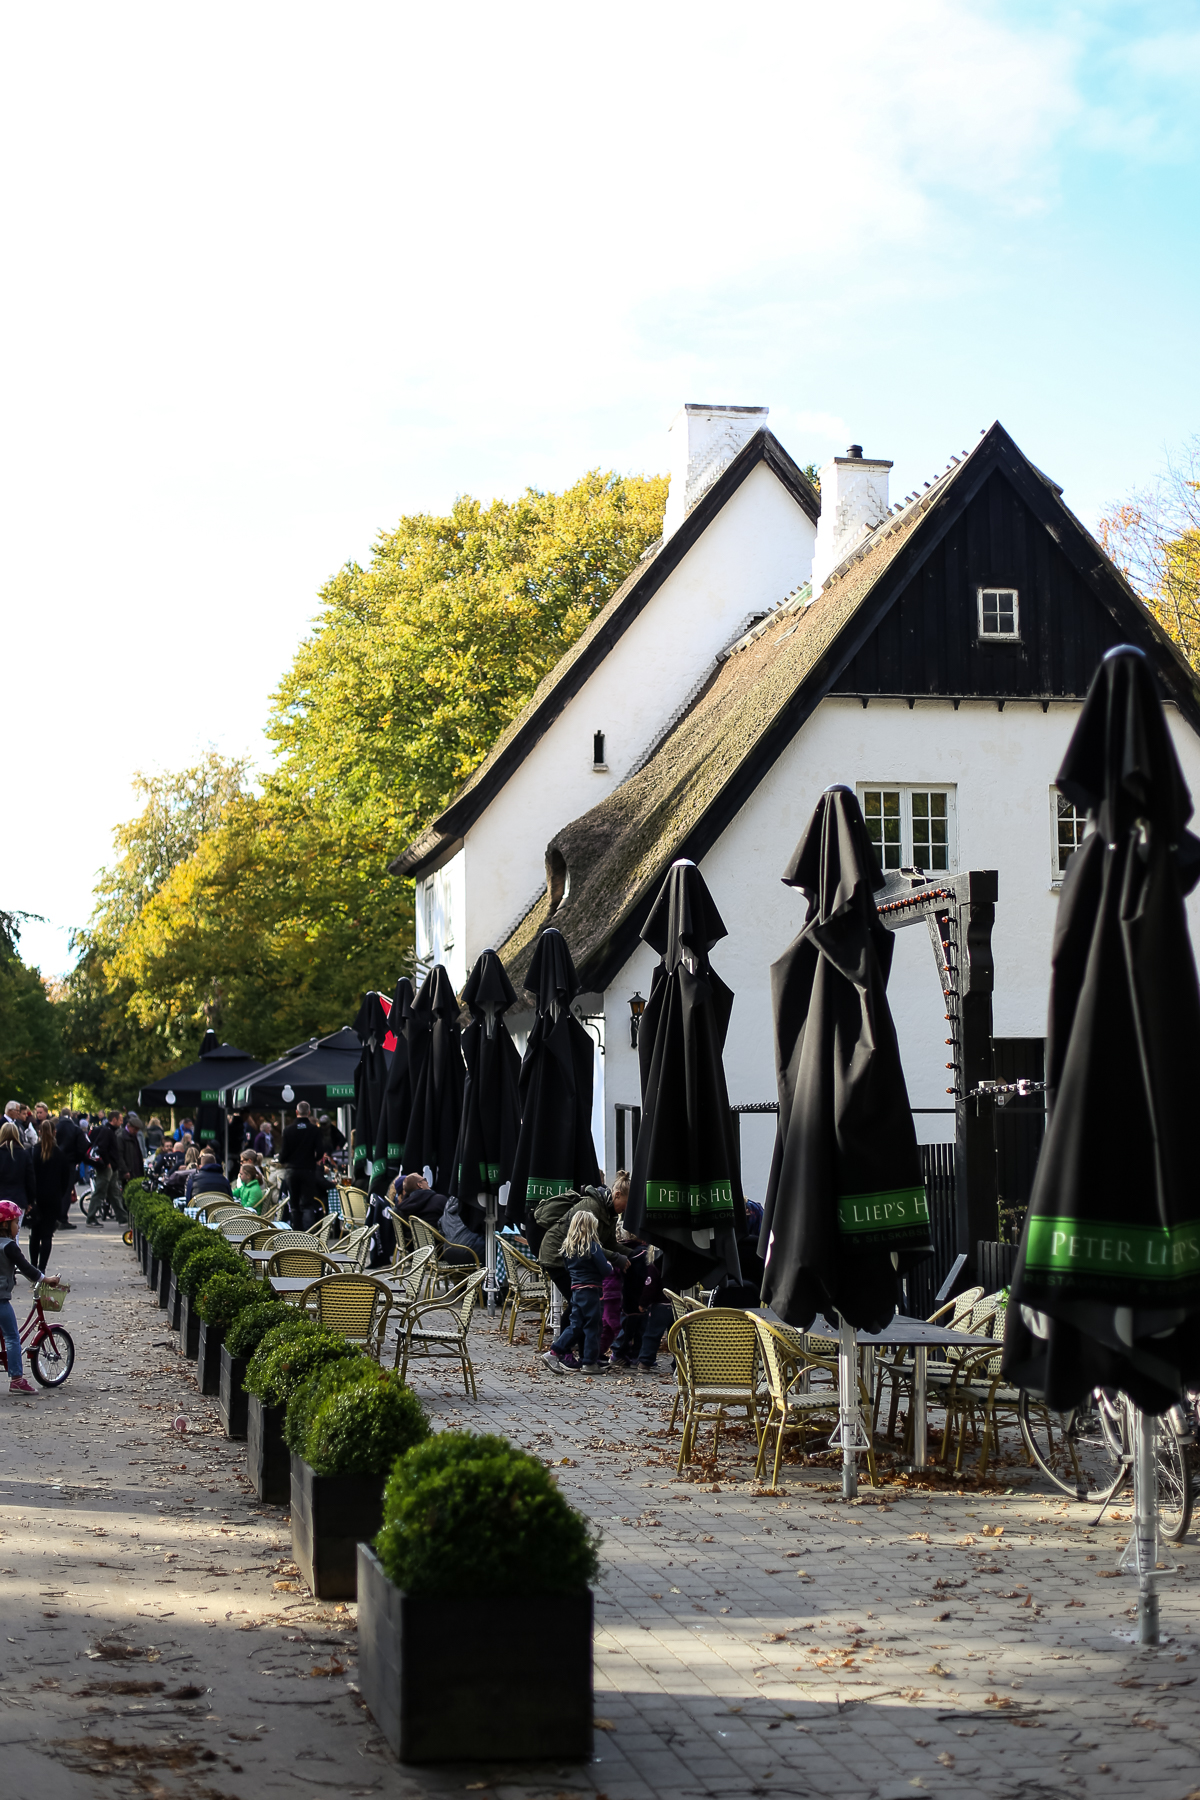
[[11, 1260]]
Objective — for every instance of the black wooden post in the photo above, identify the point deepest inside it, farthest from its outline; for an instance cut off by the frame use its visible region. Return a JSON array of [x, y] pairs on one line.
[[974, 915]]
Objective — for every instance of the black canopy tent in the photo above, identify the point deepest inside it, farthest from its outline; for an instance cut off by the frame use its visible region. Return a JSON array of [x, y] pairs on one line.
[[321, 1071], [200, 1088]]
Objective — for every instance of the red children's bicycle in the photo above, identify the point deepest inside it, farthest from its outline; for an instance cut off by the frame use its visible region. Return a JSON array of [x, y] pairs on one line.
[[50, 1349]]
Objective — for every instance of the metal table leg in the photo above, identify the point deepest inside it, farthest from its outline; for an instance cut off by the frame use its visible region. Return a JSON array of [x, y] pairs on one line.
[[920, 1418]]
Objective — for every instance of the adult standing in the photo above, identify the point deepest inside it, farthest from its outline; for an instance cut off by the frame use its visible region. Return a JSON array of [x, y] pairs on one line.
[[132, 1147], [302, 1154], [53, 1178], [72, 1141], [17, 1116], [16, 1169], [106, 1161]]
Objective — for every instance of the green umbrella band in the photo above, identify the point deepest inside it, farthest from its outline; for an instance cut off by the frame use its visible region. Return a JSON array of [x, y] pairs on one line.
[[543, 1187], [1094, 1256], [688, 1200], [897, 1217]]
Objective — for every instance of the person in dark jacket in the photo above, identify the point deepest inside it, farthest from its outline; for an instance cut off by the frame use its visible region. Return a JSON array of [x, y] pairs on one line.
[[53, 1178], [302, 1153], [130, 1160], [417, 1199], [16, 1168], [105, 1157], [207, 1178], [72, 1141], [646, 1312]]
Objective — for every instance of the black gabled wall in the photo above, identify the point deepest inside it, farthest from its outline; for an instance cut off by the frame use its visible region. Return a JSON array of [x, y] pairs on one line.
[[927, 642]]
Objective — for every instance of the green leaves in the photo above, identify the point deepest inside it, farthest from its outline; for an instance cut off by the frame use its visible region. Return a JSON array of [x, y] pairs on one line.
[[474, 1515]]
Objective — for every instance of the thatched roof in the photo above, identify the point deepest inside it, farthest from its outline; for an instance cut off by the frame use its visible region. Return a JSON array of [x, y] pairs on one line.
[[767, 685]]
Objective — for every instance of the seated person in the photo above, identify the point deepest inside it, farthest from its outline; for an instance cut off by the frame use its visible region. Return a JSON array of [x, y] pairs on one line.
[[248, 1188], [459, 1234], [418, 1200], [206, 1178]]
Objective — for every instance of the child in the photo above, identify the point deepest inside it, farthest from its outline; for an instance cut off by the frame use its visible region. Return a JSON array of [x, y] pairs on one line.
[[613, 1288], [248, 1189], [586, 1266], [11, 1260], [647, 1314]]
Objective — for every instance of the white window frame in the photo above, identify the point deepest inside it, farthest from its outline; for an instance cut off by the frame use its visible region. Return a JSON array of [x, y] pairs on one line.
[[1057, 874], [999, 637], [906, 790]]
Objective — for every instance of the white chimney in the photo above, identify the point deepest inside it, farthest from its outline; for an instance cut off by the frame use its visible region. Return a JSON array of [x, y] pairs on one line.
[[854, 500], [704, 441]]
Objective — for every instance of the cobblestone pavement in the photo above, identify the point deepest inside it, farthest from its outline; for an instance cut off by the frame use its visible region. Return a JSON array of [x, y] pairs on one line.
[[934, 1637]]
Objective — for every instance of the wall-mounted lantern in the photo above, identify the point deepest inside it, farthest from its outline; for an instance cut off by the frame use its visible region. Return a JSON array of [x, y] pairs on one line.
[[598, 761], [637, 1007]]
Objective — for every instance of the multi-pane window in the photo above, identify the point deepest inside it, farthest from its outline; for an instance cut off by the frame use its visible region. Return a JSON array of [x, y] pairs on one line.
[[1068, 825], [999, 613], [910, 827]]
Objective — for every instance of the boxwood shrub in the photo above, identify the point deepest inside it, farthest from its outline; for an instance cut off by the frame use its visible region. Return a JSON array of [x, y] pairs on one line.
[[208, 1259], [363, 1428], [223, 1296], [286, 1357], [251, 1326], [188, 1240], [311, 1395], [475, 1515], [165, 1230]]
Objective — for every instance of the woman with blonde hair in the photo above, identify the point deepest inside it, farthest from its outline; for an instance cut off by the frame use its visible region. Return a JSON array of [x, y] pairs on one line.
[[16, 1168], [587, 1267]]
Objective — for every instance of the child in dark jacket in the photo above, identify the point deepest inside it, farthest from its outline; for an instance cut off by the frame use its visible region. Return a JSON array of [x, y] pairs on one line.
[[646, 1311], [587, 1267]]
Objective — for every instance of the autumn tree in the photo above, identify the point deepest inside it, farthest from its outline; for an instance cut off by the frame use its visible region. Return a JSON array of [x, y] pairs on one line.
[[31, 1048], [1154, 538], [280, 911]]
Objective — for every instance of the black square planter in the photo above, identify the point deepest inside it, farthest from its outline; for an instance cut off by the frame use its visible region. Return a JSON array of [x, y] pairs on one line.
[[234, 1400], [189, 1328], [330, 1514], [165, 1273], [270, 1462], [174, 1303], [152, 1273], [208, 1358], [435, 1704]]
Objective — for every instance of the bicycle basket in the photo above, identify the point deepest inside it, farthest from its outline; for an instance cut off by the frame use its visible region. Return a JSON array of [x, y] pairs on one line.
[[51, 1299]]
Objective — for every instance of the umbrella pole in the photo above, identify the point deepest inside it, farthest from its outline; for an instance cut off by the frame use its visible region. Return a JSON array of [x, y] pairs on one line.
[[1145, 1507], [489, 1230], [849, 1421]]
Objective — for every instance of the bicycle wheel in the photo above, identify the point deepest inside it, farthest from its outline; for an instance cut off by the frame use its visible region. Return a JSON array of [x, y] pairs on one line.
[[53, 1357], [127, 1235], [1079, 1451], [1174, 1466]]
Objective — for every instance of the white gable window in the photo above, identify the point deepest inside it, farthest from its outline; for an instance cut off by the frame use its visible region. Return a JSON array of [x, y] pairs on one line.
[[999, 614], [1068, 827], [910, 827]]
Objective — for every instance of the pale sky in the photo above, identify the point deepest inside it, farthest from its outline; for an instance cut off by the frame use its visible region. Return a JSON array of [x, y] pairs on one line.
[[277, 274]]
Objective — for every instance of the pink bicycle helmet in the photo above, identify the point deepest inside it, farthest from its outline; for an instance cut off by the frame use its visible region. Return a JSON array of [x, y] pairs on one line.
[[8, 1210]]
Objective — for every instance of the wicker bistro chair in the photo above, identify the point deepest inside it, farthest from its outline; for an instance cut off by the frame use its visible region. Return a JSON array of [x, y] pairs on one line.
[[354, 1205], [405, 1242], [681, 1306], [237, 1230], [446, 1340], [717, 1362], [528, 1291], [406, 1277], [357, 1306], [897, 1368], [977, 1390], [447, 1268], [221, 1208], [786, 1362], [296, 1262]]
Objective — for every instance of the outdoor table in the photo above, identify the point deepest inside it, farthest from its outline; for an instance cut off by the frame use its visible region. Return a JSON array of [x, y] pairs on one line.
[[917, 1335], [288, 1286]]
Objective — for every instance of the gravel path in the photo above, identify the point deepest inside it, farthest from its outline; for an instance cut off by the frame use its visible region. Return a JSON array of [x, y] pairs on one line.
[[936, 1638]]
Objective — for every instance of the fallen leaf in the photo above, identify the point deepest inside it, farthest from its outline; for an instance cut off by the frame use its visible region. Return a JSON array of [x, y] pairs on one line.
[[602, 1725]]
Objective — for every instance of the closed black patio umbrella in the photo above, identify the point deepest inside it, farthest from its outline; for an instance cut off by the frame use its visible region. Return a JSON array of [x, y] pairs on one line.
[[846, 1213], [439, 1075], [491, 1114], [370, 1084], [1106, 1291], [397, 1097], [685, 1186], [555, 1150], [199, 1088]]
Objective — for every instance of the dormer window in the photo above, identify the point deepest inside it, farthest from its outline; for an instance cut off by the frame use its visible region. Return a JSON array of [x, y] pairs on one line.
[[999, 615], [598, 761]]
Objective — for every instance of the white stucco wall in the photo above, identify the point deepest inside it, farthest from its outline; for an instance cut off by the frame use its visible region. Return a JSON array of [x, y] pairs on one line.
[[1002, 765], [757, 549]]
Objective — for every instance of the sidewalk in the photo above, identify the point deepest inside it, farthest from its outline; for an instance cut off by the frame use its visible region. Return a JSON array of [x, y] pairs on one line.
[[747, 1643]]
